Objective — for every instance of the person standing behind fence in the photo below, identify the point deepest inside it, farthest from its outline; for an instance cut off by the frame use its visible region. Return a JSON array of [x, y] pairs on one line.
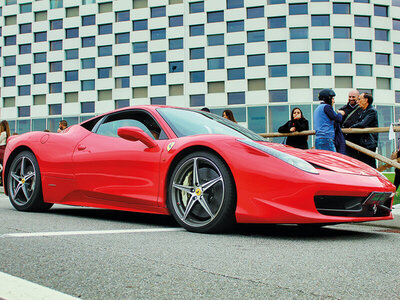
[[352, 113], [4, 134], [324, 121], [368, 118], [297, 122]]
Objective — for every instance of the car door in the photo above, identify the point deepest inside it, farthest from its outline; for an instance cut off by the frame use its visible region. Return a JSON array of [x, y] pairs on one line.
[[115, 172]]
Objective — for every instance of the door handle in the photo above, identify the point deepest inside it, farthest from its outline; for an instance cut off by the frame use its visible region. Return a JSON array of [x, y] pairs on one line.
[[81, 147]]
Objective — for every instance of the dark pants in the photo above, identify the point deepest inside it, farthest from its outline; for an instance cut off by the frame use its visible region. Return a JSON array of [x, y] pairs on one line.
[[368, 159]]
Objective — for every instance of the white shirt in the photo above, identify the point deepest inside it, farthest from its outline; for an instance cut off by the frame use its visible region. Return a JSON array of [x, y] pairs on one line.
[[3, 138]]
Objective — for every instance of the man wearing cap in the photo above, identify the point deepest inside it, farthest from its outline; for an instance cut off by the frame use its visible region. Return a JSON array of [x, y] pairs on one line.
[[324, 121]]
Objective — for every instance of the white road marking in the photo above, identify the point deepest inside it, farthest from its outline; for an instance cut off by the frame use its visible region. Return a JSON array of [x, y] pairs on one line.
[[14, 288], [60, 233]]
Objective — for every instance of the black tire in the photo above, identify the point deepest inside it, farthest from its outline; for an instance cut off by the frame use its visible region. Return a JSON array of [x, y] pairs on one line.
[[205, 205], [25, 185]]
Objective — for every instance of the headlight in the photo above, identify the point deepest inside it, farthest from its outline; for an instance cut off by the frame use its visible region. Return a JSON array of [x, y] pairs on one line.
[[290, 159]]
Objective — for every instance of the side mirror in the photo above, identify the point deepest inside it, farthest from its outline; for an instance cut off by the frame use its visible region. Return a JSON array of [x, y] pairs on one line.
[[136, 134]]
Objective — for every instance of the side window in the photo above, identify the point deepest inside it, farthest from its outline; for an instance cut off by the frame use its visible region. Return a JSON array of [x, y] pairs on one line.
[[128, 118]]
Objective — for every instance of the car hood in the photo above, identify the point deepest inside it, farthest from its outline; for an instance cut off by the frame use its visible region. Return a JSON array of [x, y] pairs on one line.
[[329, 160]]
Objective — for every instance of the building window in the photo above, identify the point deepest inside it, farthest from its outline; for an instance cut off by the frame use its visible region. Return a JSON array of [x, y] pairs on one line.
[[277, 71], [139, 70], [235, 26], [382, 59], [72, 33], [158, 34], [381, 11], [215, 63], [300, 82], [197, 100], [25, 28], [88, 63], [175, 89], [197, 53], [89, 41], [299, 57], [396, 48], [56, 45], [197, 76], [342, 32], [255, 36], [24, 69], [362, 21], [396, 24], [158, 100], [72, 12], [39, 99], [216, 87], [71, 75], [236, 98], [215, 16], [159, 56], [122, 60], [276, 22], [320, 20], [196, 7], [88, 20], [341, 8], [234, 50], [298, 9], [104, 50], [256, 84], [9, 81], [215, 39], [24, 111], [396, 72], [234, 4], [121, 16], [256, 60], [159, 11], [71, 54], [196, 30], [105, 7], [39, 78], [56, 4], [236, 73], [343, 57], [121, 103], [10, 40], [25, 8], [56, 24], [54, 109], [122, 38], [321, 69], [25, 48], [104, 72], [88, 85], [299, 33], [10, 60], [175, 43], [40, 16], [255, 12], [139, 47], [55, 66], [139, 25], [364, 70], [55, 87], [277, 46], [87, 107], [105, 29], [278, 95], [121, 82], [159, 79], [175, 21], [381, 34], [383, 83], [321, 44], [363, 45]]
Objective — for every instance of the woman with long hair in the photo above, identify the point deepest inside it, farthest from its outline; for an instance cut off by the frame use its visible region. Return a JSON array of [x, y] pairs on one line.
[[4, 134], [228, 114], [297, 122]]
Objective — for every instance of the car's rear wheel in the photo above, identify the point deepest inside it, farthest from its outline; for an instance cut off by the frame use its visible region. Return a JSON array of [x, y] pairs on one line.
[[202, 194], [25, 185]]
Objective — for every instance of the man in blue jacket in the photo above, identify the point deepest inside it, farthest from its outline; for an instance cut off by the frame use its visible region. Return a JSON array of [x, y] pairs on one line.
[[324, 121], [368, 118]]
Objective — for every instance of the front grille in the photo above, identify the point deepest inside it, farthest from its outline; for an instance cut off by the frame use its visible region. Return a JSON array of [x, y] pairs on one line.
[[376, 204]]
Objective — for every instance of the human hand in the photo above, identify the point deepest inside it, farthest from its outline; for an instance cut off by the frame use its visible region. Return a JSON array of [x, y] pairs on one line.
[[292, 129], [341, 112]]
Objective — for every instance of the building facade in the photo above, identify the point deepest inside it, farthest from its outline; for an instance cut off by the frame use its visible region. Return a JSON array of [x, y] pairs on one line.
[[72, 59]]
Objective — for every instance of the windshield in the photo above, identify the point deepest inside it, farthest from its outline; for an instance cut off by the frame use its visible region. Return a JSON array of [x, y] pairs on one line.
[[186, 122]]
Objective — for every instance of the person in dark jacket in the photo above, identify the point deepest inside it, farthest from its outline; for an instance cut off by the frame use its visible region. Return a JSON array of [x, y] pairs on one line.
[[352, 113], [297, 122], [368, 118]]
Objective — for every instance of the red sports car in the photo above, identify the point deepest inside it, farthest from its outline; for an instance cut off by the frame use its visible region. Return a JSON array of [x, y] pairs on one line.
[[206, 171]]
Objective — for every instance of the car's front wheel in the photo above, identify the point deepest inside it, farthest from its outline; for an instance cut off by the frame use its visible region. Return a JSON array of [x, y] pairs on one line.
[[202, 194], [25, 185]]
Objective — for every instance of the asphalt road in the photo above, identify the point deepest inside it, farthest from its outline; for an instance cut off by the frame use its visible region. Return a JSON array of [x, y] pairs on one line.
[[84, 259]]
